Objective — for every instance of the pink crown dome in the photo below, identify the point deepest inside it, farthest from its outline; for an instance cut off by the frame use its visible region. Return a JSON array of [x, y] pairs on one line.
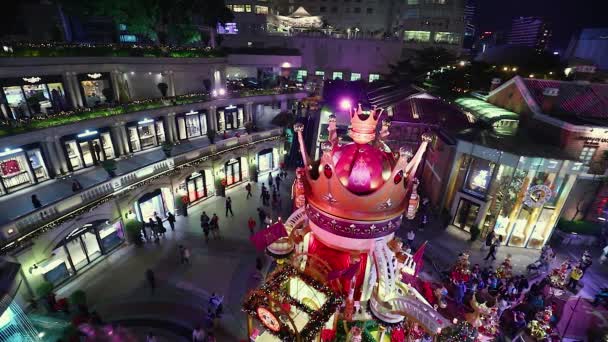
[[362, 168]]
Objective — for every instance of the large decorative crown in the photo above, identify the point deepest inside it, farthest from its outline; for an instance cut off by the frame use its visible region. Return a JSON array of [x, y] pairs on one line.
[[359, 190], [363, 124]]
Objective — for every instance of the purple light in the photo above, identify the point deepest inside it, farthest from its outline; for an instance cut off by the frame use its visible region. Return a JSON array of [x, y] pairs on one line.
[[345, 104]]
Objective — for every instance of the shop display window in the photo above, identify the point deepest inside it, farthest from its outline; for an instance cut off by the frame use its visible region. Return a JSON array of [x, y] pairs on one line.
[[37, 163], [111, 235], [147, 135], [77, 253], [134, 139], [14, 171], [58, 96], [233, 171], [16, 101], [38, 98], [193, 126], [265, 161], [108, 146], [160, 132], [197, 186], [73, 154], [56, 268], [479, 176], [93, 91], [221, 121], [149, 204]]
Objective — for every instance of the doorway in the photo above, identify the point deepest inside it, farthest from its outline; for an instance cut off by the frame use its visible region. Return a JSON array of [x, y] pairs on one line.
[[150, 204], [91, 152], [197, 188], [466, 214], [232, 170]]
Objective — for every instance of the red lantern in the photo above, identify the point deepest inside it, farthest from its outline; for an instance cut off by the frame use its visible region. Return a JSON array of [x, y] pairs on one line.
[[224, 182], [328, 335], [185, 199]]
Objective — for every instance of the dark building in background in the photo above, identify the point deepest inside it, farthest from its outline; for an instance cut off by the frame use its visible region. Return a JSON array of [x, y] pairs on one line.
[[590, 45], [532, 32], [469, 25]]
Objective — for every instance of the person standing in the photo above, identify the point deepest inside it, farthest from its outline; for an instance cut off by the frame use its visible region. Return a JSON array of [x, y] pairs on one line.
[[410, 238], [159, 224], [251, 225], [489, 239], [277, 180], [270, 180], [261, 216], [97, 151], [215, 226], [205, 225], [494, 249], [151, 278], [575, 275], [36, 202], [229, 206], [153, 227], [248, 188], [76, 186], [171, 220]]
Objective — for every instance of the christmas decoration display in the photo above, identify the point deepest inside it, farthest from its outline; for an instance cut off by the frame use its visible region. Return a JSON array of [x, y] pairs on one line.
[[540, 328], [559, 276], [9, 167], [504, 271], [348, 206], [483, 317], [461, 270], [462, 331]]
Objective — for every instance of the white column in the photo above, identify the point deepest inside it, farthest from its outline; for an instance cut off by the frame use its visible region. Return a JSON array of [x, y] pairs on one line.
[[49, 149], [125, 138], [69, 85], [249, 112], [114, 77], [60, 154], [170, 82], [77, 92], [213, 118], [171, 128], [117, 135]]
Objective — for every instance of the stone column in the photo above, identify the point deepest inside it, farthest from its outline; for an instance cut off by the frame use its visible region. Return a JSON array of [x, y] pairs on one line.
[[114, 77], [170, 128], [118, 139], [249, 112], [61, 157], [77, 92], [170, 82], [212, 118], [48, 146], [125, 138], [69, 86]]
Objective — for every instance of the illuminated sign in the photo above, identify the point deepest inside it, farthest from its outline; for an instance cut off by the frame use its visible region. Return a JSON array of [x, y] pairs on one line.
[[86, 133], [145, 121], [32, 79], [94, 76], [537, 196], [8, 151], [231, 107], [481, 179], [191, 112]]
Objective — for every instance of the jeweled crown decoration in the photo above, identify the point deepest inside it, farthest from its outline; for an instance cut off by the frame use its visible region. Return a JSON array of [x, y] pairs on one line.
[[363, 124]]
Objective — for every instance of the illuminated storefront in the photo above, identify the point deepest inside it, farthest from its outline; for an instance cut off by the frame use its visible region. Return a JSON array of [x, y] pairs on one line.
[[30, 96], [21, 167], [192, 124], [519, 197], [158, 202], [267, 160], [145, 134], [230, 117], [198, 184], [79, 249], [95, 87], [88, 148]]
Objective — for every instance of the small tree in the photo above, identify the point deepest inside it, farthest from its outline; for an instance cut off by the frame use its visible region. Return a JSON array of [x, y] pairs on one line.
[[133, 229], [163, 87]]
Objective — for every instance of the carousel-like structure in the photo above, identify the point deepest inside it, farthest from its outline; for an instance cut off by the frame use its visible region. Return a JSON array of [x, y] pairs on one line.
[[342, 275]]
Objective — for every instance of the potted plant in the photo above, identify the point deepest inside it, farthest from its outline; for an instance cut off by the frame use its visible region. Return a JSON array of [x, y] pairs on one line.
[[133, 229], [110, 167], [211, 135], [167, 148], [163, 87]]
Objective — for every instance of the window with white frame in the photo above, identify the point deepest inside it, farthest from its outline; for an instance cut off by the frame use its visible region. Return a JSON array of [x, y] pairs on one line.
[[336, 75], [373, 77], [355, 76], [238, 8], [587, 154]]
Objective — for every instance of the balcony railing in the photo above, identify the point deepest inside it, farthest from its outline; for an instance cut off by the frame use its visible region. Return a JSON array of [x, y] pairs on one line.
[[51, 214], [104, 50], [11, 127]]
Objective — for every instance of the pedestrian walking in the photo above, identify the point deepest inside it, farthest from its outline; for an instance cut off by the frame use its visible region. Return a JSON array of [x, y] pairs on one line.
[[489, 239], [36, 202], [277, 180], [270, 180], [159, 225], [494, 249], [251, 224], [575, 275], [214, 226], [171, 220], [198, 334], [205, 225], [97, 151], [261, 216], [410, 238], [248, 188], [151, 278], [154, 228], [76, 186], [229, 206]]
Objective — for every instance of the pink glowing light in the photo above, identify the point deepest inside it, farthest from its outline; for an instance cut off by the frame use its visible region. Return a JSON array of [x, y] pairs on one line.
[[345, 104]]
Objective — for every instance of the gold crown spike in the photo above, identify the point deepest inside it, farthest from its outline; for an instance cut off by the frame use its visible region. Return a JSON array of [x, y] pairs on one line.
[[363, 124]]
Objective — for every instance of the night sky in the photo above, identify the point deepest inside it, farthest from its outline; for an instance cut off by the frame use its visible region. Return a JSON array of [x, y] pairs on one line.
[[566, 17]]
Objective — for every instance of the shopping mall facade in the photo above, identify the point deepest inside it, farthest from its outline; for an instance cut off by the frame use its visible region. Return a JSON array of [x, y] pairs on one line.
[[73, 228]]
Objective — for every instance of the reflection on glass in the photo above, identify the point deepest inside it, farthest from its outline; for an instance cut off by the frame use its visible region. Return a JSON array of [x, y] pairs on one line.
[[87, 153], [92, 246], [111, 236], [466, 214], [73, 154], [93, 92], [479, 176], [58, 96], [134, 139], [79, 258], [542, 229], [56, 268], [108, 147], [160, 132], [38, 98], [37, 164]]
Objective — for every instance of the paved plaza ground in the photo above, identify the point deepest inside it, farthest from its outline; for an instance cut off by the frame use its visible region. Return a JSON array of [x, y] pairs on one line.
[[117, 289]]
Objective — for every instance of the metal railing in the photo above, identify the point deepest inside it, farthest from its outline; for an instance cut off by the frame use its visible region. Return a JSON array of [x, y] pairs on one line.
[[75, 205]]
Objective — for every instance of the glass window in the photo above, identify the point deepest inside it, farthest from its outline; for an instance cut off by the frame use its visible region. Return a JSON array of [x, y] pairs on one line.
[[447, 37], [128, 38], [193, 125], [37, 164], [58, 96], [320, 73], [240, 117], [261, 9], [417, 36], [147, 135], [587, 155], [38, 98], [160, 131], [16, 102], [248, 8], [14, 171], [374, 77], [221, 123], [133, 139], [106, 143], [56, 268], [238, 8], [265, 161], [336, 75], [355, 76], [77, 253], [301, 75], [93, 91], [479, 176], [73, 154], [111, 235]]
